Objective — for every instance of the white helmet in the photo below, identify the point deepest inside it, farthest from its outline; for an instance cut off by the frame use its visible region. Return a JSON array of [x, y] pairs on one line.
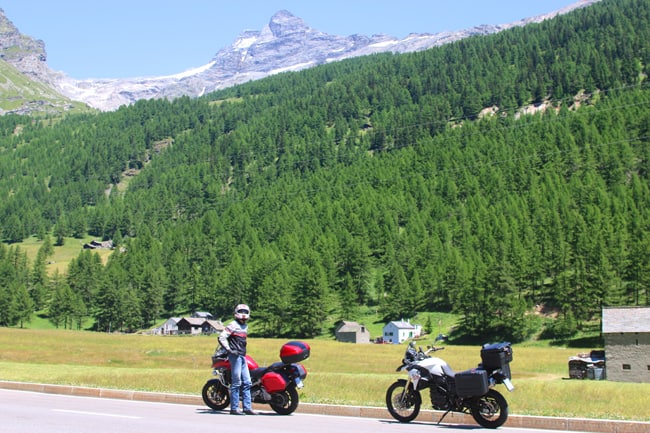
[[242, 312]]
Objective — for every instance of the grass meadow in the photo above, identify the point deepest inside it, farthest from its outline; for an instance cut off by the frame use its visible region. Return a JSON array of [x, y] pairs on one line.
[[63, 255], [339, 373]]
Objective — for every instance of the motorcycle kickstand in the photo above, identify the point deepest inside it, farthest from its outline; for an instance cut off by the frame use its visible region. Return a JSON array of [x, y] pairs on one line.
[[443, 416]]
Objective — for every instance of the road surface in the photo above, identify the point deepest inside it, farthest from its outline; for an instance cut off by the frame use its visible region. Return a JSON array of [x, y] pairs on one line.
[[30, 412]]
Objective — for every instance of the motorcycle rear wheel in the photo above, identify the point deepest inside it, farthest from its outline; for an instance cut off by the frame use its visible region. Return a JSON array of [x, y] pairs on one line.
[[403, 404], [285, 402], [490, 410], [215, 395]]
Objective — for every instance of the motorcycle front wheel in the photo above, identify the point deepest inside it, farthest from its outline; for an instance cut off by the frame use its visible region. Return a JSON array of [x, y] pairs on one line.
[[490, 410], [403, 403], [215, 395], [285, 402]]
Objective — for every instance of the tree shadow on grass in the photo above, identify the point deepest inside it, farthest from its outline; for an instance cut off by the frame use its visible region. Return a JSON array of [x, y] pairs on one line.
[[580, 342]]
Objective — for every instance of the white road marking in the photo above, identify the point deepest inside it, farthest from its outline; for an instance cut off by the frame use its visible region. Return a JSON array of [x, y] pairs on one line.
[[79, 412]]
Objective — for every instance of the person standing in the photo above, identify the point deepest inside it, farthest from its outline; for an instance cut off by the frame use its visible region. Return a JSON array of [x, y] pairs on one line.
[[233, 339]]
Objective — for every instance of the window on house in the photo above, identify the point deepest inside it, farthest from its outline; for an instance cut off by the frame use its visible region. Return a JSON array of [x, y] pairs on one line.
[[627, 367]]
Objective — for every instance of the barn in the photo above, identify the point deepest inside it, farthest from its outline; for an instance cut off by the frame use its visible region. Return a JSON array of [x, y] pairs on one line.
[[351, 332]]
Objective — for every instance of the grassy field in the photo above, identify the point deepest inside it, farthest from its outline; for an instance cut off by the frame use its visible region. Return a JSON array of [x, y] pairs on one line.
[[63, 254], [339, 373]]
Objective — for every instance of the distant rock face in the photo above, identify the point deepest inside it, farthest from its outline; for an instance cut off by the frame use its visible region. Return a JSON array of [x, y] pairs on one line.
[[287, 43], [24, 53]]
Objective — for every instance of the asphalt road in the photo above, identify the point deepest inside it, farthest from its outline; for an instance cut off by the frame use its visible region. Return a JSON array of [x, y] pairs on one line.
[[29, 412]]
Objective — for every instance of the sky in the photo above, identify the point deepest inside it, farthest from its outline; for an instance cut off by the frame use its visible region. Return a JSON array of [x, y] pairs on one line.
[[134, 38]]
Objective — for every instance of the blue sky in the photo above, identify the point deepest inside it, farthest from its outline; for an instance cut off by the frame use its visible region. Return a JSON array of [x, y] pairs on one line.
[[130, 38]]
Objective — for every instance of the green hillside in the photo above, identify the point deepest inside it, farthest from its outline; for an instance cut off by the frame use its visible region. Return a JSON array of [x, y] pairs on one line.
[[20, 94], [494, 178]]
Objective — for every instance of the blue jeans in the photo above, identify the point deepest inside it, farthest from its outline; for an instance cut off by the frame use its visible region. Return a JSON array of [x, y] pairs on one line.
[[241, 380]]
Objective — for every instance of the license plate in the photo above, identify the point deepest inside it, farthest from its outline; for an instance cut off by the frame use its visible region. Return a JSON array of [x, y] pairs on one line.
[[509, 386]]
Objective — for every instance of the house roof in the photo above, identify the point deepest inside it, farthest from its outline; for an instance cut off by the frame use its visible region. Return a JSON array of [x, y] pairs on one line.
[[203, 314], [345, 326], [400, 324], [626, 319], [216, 324], [193, 321]]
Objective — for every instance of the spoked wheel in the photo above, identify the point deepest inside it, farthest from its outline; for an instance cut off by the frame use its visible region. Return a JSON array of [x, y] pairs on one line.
[[403, 403], [215, 395], [285, 402], [490, 410]]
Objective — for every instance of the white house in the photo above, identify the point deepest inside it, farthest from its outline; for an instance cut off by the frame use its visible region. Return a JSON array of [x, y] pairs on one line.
[[397, 332], [169, 327]]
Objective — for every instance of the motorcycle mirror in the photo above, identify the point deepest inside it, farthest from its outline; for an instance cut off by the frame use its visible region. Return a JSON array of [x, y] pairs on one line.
[[412, 344]]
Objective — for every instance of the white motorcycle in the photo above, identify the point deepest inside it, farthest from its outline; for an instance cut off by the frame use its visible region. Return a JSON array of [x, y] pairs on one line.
[[469, 391]]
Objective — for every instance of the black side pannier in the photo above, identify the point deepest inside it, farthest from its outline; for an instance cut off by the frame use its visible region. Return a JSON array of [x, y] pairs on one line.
[[471, 383]]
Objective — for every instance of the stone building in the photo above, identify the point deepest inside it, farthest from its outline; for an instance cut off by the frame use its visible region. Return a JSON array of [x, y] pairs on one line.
[[626, 331], [351, 332]]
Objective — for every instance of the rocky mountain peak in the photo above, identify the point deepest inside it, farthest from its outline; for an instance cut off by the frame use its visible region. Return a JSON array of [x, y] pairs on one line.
[[284, 23]]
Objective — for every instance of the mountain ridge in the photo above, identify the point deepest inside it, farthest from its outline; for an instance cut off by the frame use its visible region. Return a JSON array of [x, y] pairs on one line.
[[285, 44]]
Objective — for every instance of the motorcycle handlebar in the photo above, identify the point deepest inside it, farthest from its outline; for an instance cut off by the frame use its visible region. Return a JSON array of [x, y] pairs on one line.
[[413, 355]]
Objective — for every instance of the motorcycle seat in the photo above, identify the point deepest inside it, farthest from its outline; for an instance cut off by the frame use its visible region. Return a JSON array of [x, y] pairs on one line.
[[258, 373]]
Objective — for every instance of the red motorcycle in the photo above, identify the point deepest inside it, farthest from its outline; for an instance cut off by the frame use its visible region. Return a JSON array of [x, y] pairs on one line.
[[276, 385]]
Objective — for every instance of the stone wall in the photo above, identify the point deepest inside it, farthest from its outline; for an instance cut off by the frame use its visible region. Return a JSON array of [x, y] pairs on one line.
[[628, 357]]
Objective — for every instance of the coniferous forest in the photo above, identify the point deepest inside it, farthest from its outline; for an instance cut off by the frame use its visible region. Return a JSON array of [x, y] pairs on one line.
[[484, 177]]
